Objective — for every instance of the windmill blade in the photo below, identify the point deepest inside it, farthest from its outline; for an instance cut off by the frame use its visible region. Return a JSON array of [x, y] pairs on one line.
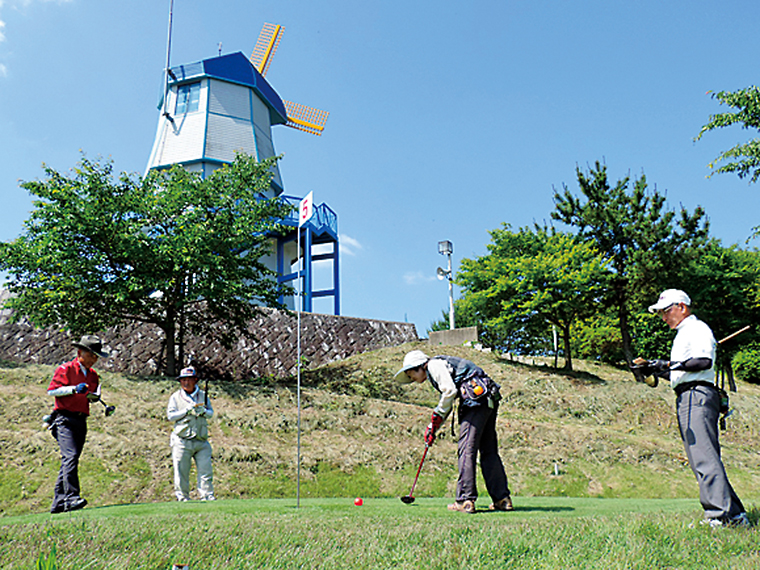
[[305, 118], [266, 46]]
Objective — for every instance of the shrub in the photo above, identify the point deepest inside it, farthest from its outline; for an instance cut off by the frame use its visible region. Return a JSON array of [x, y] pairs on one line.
[[746, 363]]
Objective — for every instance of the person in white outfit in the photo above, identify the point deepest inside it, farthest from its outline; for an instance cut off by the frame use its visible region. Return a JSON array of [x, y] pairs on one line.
[[189, 408], [691, 371]]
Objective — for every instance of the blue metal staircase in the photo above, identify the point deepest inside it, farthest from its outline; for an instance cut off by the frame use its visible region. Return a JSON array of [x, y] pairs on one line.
[[321, 229]]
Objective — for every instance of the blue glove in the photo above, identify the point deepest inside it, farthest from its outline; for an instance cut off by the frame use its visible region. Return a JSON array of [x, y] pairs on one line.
[[81, 388]]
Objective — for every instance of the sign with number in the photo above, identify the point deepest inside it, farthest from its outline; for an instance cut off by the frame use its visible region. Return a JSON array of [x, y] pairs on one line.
[[305, 209]]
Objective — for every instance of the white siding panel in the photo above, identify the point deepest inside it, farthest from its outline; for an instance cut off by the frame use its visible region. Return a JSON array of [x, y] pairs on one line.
[[264, 150], [158, 145], [229, 99], [263, 131], [184, 141], [227, 135], [260, 115], [179, 142]]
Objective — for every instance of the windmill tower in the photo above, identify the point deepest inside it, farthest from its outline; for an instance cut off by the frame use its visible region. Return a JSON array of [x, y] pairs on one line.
[[217, 107]]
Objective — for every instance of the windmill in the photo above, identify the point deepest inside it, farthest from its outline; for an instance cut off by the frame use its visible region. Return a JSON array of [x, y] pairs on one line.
[[217, 107], [301, 117], [222, 105]]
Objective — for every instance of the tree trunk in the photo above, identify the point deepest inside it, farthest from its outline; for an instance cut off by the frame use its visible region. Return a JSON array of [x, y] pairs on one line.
[[621, 301], [566, 344], [625, 333], [181, 340], [170, 331]]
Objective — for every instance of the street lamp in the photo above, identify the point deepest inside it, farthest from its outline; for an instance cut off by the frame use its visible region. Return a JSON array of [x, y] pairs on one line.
[[447, 248]]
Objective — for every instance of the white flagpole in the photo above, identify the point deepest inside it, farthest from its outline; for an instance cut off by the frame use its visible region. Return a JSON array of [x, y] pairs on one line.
[[299, 302], [305, 209]]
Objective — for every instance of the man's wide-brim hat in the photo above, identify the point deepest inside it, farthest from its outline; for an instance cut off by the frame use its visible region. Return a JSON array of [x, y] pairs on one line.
[[91, 343], [412, 359]]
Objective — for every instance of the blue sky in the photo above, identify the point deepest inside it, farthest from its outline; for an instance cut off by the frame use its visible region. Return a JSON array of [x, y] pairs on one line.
[[446, 119]]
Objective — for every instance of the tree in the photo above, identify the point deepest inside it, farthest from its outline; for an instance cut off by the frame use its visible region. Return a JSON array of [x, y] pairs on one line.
[[743, 159], [724, 285], [531, 279], [172, 249], [642, 239]]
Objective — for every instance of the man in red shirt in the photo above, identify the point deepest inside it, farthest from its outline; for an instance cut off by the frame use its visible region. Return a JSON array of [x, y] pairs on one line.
[[75, 384]]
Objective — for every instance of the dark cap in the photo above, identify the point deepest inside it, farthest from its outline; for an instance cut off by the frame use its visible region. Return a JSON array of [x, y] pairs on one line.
[[91, 343]]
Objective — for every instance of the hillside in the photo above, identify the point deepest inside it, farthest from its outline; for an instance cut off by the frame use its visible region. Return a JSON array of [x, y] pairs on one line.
[[594, 432]]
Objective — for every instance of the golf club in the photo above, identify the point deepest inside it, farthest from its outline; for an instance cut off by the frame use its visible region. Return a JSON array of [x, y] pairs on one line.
[[409, 499], [109, 409], [640, 363]]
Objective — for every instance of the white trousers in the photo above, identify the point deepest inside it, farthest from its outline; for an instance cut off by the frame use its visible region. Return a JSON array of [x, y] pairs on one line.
[[184, 451]]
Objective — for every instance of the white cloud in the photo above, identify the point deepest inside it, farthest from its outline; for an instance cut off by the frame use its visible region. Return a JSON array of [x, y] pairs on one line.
[[348, 245], [21, 4], [417, 277], [3, 70]]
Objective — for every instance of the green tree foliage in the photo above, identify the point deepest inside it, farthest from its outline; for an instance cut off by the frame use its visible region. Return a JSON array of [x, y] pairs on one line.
[[746, 363], [743, 159], [528, 280], [724, 284], [643, 240], [442, 324], [172, 249], [598, 338]]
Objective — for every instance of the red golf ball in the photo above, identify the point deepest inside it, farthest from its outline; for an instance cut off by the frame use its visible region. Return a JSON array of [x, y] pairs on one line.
[[358, 501]]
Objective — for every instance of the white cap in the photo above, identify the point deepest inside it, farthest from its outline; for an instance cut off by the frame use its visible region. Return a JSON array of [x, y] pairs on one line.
[[188, 372], [412, 359], [670, 297]]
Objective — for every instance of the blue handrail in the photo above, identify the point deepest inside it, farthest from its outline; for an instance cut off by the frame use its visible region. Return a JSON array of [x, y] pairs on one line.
[[323, 220]]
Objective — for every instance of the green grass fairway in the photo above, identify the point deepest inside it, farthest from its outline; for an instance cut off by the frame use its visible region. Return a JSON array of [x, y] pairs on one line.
[[543, 532], [594, 460]]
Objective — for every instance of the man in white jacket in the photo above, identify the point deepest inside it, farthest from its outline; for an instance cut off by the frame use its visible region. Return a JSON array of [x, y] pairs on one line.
[[189, 408]]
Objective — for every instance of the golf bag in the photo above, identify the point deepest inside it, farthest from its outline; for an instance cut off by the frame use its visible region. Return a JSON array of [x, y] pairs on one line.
[[475, 387], [479, 389]]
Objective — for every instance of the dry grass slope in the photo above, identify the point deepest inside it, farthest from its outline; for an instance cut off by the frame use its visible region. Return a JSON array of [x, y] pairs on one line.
[[594, 432]]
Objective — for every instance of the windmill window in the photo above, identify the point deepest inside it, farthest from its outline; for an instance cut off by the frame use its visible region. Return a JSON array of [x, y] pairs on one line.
[[188, 98]]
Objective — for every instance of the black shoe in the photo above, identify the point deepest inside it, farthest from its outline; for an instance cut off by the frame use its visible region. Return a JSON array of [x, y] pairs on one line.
[[76, 504], [57, 509]]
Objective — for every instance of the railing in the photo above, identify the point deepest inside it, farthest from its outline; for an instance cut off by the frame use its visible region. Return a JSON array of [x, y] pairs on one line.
[[323, 220]]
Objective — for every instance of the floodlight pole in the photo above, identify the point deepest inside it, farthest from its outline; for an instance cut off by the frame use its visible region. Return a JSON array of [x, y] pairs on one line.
[[447, 248]]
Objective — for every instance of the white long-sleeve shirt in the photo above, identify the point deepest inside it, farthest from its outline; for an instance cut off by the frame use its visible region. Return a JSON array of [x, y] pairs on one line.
[[188, 424], [441, 374]]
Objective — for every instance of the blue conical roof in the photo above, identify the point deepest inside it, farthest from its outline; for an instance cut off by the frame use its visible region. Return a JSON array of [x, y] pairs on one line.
[[235, 68]]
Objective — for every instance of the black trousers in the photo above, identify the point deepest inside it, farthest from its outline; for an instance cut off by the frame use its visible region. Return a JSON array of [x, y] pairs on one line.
[[477, 434], [71, 432]]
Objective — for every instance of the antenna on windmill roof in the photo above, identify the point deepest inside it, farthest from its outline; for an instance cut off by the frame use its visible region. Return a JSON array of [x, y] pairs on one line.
[[168, 70]]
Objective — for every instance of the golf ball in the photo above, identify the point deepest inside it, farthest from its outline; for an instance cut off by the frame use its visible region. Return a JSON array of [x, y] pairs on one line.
[[358, 501]]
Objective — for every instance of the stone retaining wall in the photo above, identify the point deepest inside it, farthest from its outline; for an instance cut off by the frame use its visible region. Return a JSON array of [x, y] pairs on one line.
[[136, 348]]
